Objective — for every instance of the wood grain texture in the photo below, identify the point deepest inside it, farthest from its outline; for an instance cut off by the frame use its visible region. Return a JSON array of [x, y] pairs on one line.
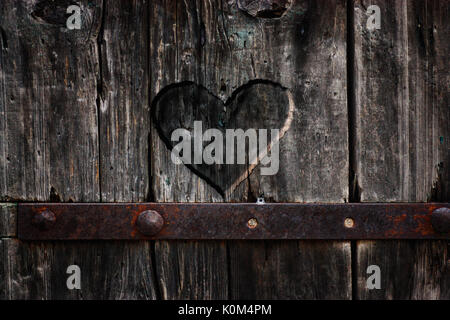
[[175, 38], [75, 126], [290, 270], [109, 270], [48, 112], [192, 269], [123, 102], [8, 220], [214, 44], [60, 89], [409, 269], [401, 77], [402, 117], [306, 52], [124, 125], [3, 274]]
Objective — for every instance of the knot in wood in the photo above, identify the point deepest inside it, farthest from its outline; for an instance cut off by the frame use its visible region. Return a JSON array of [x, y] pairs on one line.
[[264, 8]]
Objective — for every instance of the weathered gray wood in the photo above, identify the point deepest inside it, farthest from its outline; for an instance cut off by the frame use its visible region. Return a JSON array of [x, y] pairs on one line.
[[192, 269], [217, 46], [3, 276], [109, 270], [60, 88], [8, 222], [74, 124], [290, 270], [402, 102], [124, 125], [409, 269], [175, 39], [306, 52], [123, 102], [48, 122], [402, 131]]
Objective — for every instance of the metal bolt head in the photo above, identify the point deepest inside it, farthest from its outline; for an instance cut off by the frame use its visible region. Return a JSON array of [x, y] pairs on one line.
[[349, 223], [44, 220], [252, 223], [440, 220], [149, 222]]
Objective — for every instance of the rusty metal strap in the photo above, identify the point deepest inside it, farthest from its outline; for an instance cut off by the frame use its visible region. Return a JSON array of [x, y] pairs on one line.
[[89, 221]]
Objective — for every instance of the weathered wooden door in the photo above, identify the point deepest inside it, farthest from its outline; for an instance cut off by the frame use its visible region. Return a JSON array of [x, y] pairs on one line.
[[370, 123]]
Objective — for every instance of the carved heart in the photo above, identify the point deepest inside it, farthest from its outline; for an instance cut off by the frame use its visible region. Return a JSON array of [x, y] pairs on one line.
[[259, 104]]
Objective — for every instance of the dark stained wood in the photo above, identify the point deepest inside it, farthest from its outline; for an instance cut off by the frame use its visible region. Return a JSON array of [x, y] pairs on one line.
[[75, 125], [124, 125], [290, 270], [48, 122], [109, 270], [306, 52], [409, 269], [402, 132], [62, 90], [123, 102], [192, 269], [175, 38], [8, 222], [3, 275], [217, 46]]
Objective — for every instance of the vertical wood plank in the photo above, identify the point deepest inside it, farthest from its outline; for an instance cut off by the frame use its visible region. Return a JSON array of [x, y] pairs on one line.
[[291, 270], [48, 124], [8, 222], [305, 50], [185, 269], [55, 83], [218, 46], [124, 125], [409, 269], [3, 278], [109, 270], [402, 117], [48, 114], [124, 117]]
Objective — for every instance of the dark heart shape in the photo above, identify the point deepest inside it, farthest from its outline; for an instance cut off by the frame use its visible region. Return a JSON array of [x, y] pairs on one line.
[[259, 104]]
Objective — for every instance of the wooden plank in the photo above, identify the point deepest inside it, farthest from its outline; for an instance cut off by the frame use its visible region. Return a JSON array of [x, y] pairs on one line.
[[192, 269], [8, 222], [48, 111], [290, 270], [306, 52], [123, 102], [175, 38], [124, 125], [409, 269], [402, 117], [217, 46], [55, 82], [3, 278], [109, 270]]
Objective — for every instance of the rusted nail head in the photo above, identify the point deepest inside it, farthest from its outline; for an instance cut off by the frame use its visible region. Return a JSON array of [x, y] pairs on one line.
[[252, 223], [349, 223], [149, 222], [440, 220], [44, 220]]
